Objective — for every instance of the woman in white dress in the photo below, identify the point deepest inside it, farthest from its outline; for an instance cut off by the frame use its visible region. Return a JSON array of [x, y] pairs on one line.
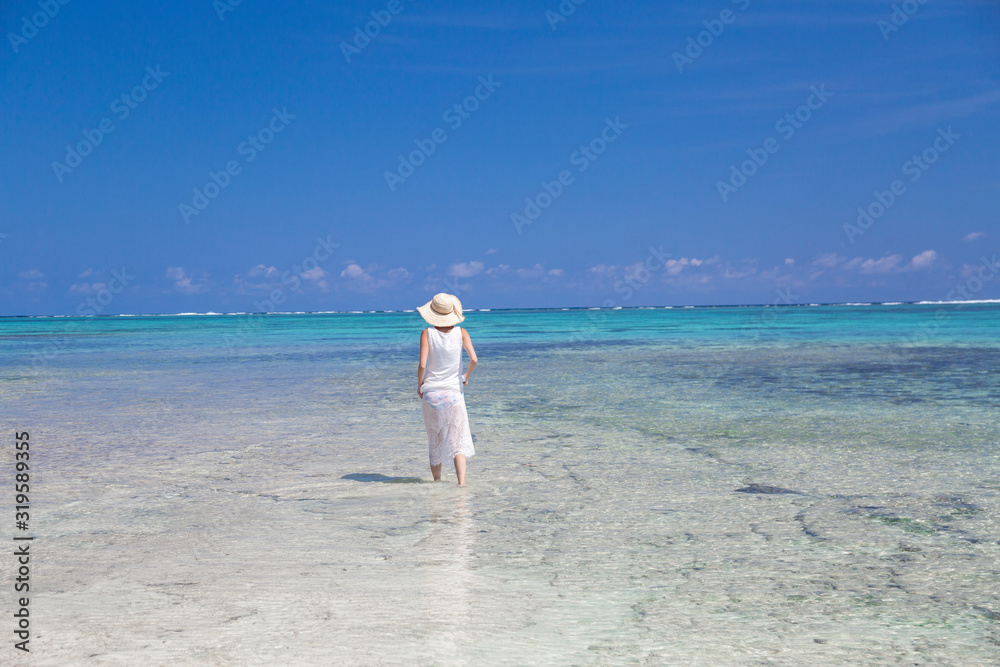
[[440, 384]]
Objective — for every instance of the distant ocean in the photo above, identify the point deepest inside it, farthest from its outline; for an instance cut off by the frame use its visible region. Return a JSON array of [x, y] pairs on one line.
[[710, 485]]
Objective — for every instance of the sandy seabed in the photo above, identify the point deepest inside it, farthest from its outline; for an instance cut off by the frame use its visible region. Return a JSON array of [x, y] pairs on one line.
[[187, 520]]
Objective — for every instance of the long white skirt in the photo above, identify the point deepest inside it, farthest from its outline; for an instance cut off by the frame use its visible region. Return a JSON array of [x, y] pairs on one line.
[[447, 423]]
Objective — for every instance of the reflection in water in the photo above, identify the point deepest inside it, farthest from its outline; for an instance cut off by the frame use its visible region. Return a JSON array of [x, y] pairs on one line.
[[448, 575]]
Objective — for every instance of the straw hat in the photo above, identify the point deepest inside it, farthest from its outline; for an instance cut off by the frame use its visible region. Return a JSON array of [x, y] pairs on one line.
[[444, 310]]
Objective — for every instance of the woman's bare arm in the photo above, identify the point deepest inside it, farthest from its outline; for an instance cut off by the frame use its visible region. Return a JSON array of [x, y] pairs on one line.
[[473, 359], [424, 349]]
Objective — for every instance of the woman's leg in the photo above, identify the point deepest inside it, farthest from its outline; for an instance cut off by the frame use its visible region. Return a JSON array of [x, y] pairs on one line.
[[436, 471], [460, 468]]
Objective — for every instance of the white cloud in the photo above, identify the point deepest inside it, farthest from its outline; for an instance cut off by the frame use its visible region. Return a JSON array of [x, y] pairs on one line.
[[369, 278], [498, 270], [885, 264], [465, 269], [872, 266], [675, 266], [603, 270], [745, 268], [318, 277], [261, 278], [972, 270], [922, 261], [555, 272], [637, 270], [681, 272], [491, 251], [86, 273], [87, 288], [973, 236], [34, 275], [354, 272], [789, 261], [261, 270], [829, 260], [537, 271], [185, 283]]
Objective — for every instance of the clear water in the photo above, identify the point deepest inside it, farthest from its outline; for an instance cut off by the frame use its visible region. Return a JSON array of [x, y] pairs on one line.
[[709, 486]]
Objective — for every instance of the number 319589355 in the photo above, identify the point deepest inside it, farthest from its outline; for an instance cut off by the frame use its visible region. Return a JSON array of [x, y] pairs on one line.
[[22, 475]]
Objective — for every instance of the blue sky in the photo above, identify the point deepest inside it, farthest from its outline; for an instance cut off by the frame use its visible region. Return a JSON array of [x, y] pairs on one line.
[[235, 157]]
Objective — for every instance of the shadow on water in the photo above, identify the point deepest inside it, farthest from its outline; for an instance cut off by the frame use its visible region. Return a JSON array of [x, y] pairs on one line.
[[763, 488], [377, 477]]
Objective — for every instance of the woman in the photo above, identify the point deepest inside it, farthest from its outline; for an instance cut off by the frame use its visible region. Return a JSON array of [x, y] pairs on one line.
[[440, 383]]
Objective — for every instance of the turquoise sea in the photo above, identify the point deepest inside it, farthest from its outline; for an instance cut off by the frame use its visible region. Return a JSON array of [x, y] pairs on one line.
[[654, 486]]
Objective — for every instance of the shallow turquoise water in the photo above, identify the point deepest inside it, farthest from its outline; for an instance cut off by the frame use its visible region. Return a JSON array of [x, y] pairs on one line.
[[701, 486], [944, 324]]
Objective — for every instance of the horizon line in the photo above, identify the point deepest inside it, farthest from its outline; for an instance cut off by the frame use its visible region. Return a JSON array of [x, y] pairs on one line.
[[540, 308]]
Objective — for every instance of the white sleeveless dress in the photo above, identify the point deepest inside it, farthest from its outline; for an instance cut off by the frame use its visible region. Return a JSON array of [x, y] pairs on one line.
[[445, 416]]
